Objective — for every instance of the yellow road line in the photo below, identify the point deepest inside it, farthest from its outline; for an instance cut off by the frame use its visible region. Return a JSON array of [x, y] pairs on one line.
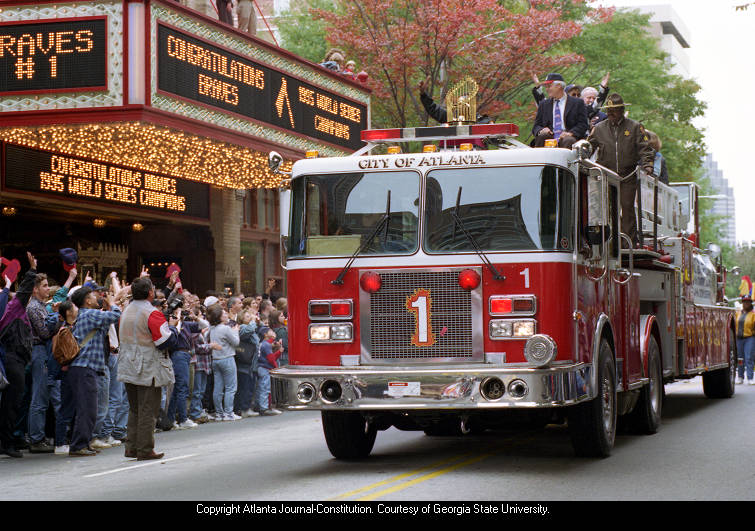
[[487, 452], [399, 477], [426, 477]]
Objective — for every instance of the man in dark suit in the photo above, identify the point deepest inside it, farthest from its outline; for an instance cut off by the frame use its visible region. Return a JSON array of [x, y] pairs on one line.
[[559, 116]]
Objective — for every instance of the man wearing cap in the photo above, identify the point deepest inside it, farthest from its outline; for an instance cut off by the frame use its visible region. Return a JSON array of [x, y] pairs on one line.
[[560, 116], [622, 145], [92, 326], [745, 321]]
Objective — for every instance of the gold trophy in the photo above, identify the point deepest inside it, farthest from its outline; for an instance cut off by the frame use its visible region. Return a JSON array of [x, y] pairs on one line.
[[461, 102]]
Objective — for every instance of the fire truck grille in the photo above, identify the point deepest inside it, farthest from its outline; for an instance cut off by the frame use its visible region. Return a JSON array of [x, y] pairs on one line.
[[393, 325]]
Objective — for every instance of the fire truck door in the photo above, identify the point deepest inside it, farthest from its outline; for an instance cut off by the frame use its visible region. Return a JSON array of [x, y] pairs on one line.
[[624, 298]]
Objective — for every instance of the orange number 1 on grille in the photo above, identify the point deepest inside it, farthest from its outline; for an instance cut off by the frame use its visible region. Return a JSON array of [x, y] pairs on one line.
[[419, 305]]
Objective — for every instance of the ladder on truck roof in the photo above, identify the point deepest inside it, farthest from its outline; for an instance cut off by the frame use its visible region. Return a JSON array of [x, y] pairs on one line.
[[505, 133]]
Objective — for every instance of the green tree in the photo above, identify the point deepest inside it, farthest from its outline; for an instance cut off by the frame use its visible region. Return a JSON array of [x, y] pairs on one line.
[[640, 71], [303, 34]]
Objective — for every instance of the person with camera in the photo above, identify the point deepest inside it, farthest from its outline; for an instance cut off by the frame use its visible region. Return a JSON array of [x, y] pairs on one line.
[[246, 364], [144, 367], [184, 325]]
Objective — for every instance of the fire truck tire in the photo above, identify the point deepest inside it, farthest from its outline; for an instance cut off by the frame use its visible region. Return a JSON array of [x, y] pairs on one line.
[[720, 383], [348, 434], [646, 416], [592, 425]]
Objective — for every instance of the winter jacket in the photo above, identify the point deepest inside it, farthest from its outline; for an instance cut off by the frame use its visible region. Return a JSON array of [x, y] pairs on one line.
[[622, 147], [144, 333]]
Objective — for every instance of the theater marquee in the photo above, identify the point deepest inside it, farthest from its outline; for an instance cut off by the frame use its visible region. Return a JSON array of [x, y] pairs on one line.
[[191, 68], [78, 179], [53, 56]]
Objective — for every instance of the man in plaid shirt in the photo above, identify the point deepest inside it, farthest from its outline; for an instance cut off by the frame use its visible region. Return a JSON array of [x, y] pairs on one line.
[[90, 331]]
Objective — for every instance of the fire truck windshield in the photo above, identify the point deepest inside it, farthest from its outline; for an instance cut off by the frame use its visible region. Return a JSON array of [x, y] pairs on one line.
[[336, 213], [504, 209]]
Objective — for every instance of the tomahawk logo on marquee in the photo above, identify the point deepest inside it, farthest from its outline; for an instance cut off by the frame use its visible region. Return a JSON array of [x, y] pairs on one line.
[[53, 56], [191, 68]]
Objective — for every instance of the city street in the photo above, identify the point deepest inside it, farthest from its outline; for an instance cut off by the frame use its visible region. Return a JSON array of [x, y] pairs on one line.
[[702, 452]]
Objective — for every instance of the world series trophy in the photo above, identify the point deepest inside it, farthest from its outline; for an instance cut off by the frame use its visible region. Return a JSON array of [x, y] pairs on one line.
[[461, 102]]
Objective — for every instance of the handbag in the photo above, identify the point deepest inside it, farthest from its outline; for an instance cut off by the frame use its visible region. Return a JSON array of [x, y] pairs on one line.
[[65, 348]]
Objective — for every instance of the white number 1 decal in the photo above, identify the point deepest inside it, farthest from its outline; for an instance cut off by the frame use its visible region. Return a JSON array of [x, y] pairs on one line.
[[419, 305], [526, 274]]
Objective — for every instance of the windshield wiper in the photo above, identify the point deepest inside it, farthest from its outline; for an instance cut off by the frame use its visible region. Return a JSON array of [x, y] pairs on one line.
[[383, 221], [478, 250]]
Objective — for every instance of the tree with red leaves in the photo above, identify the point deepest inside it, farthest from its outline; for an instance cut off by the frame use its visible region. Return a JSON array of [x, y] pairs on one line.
[[498, 43]]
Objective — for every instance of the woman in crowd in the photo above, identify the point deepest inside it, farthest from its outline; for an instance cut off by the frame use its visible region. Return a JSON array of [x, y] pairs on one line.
[[223, 362]]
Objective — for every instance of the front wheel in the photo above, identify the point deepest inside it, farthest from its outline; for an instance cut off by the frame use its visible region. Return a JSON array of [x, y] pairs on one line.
[[348, 434], [592, 425]]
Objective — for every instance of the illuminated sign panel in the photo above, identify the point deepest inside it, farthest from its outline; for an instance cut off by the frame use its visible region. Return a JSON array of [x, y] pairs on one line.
[[31, 170], [53, 56], [196, 70]]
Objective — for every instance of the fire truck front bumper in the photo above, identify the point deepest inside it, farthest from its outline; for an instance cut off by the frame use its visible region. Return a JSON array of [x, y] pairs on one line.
[[479, 387]]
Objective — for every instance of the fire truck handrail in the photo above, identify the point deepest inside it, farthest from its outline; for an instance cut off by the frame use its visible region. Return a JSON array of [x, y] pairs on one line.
[[623, 236]]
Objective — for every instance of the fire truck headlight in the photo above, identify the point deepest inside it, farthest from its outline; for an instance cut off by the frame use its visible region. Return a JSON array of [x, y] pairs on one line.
[[524, 329], [326, 333], [540, 350], [340, 332], [319, 333], [499, 329]]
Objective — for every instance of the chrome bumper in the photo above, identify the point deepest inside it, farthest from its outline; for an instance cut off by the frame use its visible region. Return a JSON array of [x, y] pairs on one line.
[[374, 388]]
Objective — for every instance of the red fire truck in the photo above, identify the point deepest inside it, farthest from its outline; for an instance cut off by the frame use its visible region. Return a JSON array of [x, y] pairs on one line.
[[460, 289]]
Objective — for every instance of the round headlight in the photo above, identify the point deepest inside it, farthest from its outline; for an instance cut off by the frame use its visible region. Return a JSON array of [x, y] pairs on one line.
[[540, 350]]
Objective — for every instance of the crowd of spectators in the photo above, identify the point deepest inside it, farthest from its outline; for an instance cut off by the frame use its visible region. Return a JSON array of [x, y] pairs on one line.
[[335, 60], [215, 353]]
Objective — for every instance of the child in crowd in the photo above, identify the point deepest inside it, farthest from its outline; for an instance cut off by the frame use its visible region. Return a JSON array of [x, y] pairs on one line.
[[270, 351]]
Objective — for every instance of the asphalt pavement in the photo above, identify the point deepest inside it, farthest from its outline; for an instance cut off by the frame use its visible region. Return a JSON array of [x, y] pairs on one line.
[[702, 452]]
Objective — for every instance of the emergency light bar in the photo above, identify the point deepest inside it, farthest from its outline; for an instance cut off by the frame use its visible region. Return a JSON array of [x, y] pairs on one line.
[[448, 132]]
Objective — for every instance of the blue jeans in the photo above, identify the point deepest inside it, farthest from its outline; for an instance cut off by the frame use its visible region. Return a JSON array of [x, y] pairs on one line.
[[224, 374], [177, 405], [245, 393], [40, 394], [64, 415], [116, 420], [200, 382], [746, 354], [83, 381], [263, 388], [103, 403]]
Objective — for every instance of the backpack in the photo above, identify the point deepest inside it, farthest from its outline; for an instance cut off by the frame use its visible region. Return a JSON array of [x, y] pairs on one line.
[[65, 348]]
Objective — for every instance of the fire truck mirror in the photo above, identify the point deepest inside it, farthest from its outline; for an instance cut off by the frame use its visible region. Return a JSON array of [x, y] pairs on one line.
[[274, 160], [714, 250], [595, 200]]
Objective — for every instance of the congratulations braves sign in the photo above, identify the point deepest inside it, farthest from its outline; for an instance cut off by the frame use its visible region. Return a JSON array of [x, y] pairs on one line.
[[191, 68]]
